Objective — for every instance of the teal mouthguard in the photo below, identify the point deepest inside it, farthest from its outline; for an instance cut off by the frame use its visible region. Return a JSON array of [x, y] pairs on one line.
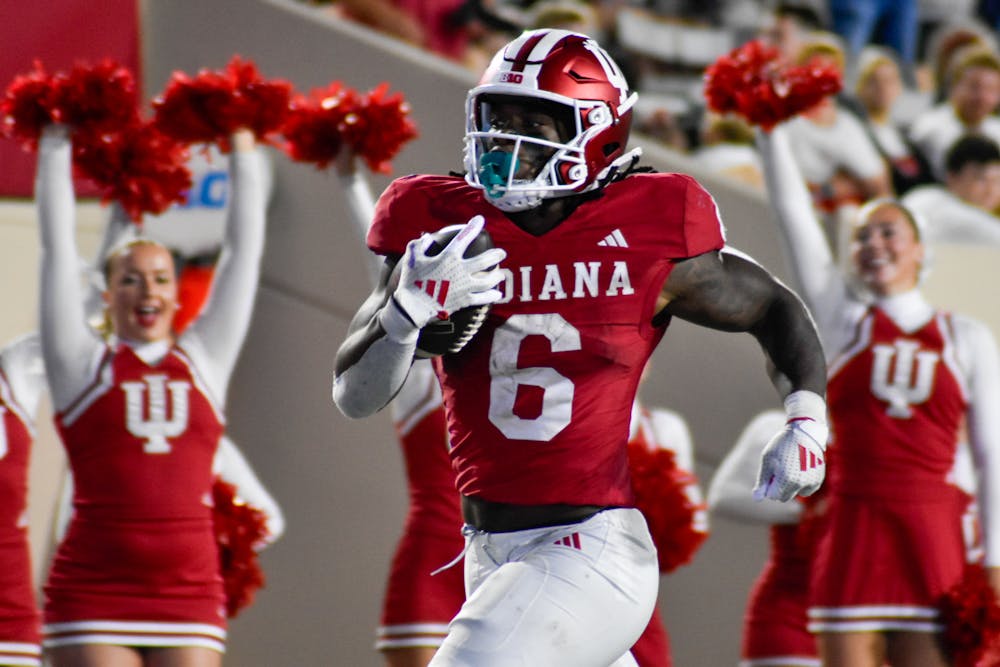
[[494, 167]]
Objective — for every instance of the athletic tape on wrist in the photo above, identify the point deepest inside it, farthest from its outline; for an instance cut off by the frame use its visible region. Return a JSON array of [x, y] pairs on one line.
[[804, 403], [397, 324]]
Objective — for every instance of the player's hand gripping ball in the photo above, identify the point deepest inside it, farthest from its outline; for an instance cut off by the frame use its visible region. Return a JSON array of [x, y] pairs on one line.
[[447, 336]]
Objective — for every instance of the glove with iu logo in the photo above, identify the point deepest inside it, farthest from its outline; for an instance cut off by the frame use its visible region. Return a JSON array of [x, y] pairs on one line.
[[794, 461]]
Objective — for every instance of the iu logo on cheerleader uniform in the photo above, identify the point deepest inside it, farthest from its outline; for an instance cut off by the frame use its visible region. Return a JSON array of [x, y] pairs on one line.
[[902, 375], [147, 417]]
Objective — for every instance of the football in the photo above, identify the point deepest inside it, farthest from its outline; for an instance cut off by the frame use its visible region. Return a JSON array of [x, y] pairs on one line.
[[448, 336]]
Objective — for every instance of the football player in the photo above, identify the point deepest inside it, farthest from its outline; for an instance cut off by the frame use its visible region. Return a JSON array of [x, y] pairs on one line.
[[596, 259]]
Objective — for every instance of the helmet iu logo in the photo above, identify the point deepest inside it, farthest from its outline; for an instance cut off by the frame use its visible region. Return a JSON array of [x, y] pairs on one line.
[[148, 418], [903, 376]]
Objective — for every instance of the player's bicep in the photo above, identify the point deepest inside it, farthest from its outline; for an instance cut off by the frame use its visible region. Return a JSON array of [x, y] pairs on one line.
[[718, 290]]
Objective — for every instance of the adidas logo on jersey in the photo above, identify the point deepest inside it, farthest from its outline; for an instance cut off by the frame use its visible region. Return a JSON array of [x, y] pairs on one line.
[[614, 240]]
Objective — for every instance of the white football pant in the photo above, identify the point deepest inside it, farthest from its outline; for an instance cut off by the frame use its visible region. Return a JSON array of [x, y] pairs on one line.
[[574, 596]]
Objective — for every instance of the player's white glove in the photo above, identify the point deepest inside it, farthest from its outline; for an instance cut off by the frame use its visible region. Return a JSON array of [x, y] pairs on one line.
[[434, 286], [794, 461]]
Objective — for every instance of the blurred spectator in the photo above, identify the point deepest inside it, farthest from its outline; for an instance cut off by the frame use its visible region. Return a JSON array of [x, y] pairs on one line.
[[594, 20], [876, 92], [835, 154], [410, 24], [661, 124], [699, 11], [964, 209], [572, 15], [946, 40], [989, 11], [933, 15], [973, 85], [892, 23], [727, 148], [451, 28], [789, 26]]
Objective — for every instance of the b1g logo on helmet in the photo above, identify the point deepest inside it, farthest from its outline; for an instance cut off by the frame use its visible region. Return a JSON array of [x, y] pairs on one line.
[[511, 77]]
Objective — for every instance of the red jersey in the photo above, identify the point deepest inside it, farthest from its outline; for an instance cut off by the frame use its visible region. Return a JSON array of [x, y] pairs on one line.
[[19, 622], [140, 443], [539, 402], [897, 403]]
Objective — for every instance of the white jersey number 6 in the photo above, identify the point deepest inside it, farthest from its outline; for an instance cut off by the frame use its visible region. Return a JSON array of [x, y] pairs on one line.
[[557, 390]]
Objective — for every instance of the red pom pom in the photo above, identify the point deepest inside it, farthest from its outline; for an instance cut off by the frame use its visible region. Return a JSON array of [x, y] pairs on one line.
[[139, 167], [373, 126], [95, 97], [971, 617], [27, 106], [660, 488], [384, 126], [210, 106], [316, 125], [751, 81], [189, 108], [239, 528], [257, 104]]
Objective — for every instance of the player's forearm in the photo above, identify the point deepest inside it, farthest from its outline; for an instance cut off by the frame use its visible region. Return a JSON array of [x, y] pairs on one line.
[[788, 336], [375, 358], [370, 368]]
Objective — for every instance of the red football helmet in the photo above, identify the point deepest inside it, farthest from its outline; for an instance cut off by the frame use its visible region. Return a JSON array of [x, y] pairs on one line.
[[554, 69]]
